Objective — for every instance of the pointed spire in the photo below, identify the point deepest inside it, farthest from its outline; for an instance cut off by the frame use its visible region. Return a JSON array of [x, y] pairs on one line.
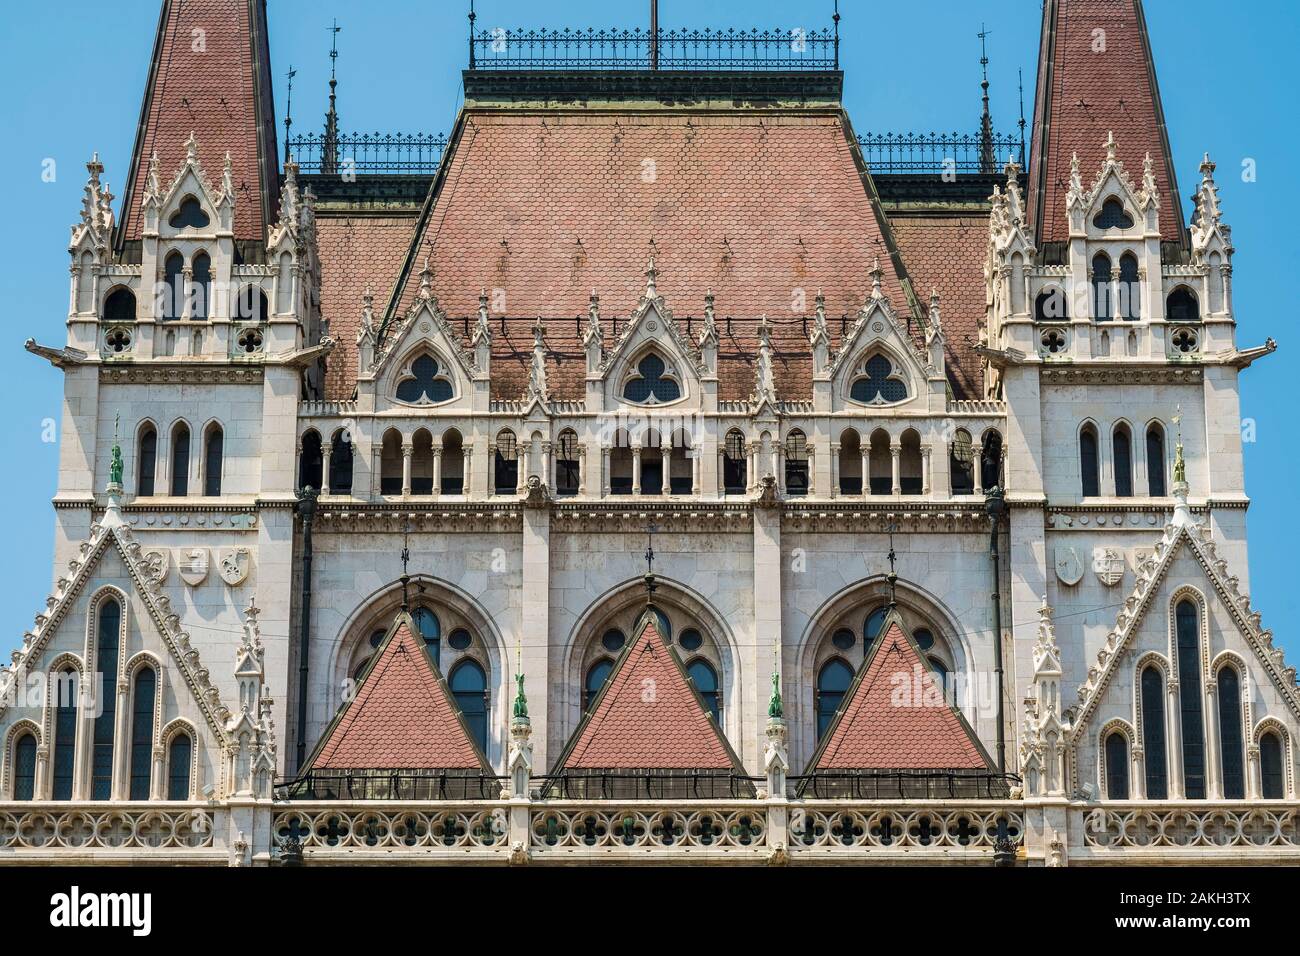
[[651, 275], [820, 333], [1112, 148], [153, 183], [329, 160], [482, 331], [289, 199], [709, 334], [368, 330], [876, 273], [426, 281], [987, 159], [936, 321], [593, 333]]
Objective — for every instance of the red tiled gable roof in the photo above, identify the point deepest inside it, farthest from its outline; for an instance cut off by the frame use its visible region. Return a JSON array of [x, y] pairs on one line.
[[221, 93], [401, 718], [884, 726], [947, 253], [765, 210], [356, 251], [1083, 94], [648, 718]]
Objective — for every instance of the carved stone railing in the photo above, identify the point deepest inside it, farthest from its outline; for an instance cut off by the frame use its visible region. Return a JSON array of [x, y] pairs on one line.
[[1189, 832], [648, 830], [103, 832], [927, 831], [330, 831]]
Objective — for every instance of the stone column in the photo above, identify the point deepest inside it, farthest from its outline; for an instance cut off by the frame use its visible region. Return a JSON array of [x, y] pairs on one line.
[[187, 274], [122, 742], [925, 469], [327, 456], [722, 472], [751, 466], [604, 471], [535, 609], [1174, 734], [835, 469], [1138, 774], [492, 469], [157, 782], [548, 478], [866, 469], [582, 469], [697, 466], [407, 450], [812, 469], [977, 467], [524, 461], [757, 659], [636, 469], [895, 458], [437, 470], [666, 469], [1253, 783], [777, 470], [1213, 767], [467, 468]]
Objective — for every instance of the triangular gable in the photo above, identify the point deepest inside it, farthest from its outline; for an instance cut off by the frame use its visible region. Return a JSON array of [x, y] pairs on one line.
[[402, 718], [648, 716], [879, 326], [664, 336], [1150, 575], [891, 720], [112, 532], [404, 339]]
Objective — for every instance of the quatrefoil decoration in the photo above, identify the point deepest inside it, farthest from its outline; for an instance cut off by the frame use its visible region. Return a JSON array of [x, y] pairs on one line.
[[249, 341], [118, 340], [877, 387], [651, 387], [1054, 341], [1184, 340], [424, 385]]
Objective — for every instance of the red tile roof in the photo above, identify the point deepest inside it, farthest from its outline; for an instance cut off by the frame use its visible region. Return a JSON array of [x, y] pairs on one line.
[[210, 76], [402, 718], [765, 209], [356, 251], [947, 253], [896, 717], [1085, 93], [648, 717]]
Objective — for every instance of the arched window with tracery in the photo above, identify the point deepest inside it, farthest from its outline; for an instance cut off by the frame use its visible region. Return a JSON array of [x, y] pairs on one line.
[[833, 682], [1116, 766], [1112, 215], [1271, 768], [1187, 626], [705, 679], [652, 384], [429, 629], [179, 754], [311, 460], [214, 445], [1089, 463], [1102, 309], [1156, 487], [424, 383], [189, 215], [66, 692], [878, 383], [1231, 754], [567, 476], [735, 464], [505, 463], [106, 658], [180, 460], [146, 462], [24, 758], [469, 686], [1122, 452], [961, 463], [1152, 688], [796, 464], [146, 685]]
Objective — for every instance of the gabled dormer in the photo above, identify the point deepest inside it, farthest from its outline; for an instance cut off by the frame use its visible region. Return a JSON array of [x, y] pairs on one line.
[[877, 365]]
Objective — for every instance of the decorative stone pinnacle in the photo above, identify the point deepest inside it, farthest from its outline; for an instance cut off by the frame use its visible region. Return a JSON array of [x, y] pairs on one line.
[[115, 466], [1207, 167], [651, 276], [426, 280], [539, 332], [1112, 148], [192, 149], [876, 273]]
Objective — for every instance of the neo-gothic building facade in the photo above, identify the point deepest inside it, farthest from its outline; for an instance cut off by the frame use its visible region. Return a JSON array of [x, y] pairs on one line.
[[360, 470]]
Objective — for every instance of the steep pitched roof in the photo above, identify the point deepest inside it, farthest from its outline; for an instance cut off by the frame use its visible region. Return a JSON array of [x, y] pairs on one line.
[[890, 720], [1086, 91], [402, 718], [546, 206], [210, 76], [648, 716]]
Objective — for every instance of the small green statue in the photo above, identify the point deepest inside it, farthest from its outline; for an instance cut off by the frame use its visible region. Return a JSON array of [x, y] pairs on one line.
[[521, 702], [115, 467], [775, 709]]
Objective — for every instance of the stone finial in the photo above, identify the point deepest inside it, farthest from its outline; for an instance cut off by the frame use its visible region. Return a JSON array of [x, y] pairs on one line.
[[368, 330], [537, 385], [192, 150], [1076, 176], [709, 334], [876, 274], [289, 194], [593, 334], [426, 281], [482, 331], [651, 276], [820, 333], [935, 322], [1149, 176], [1112, 148], [227, 178]]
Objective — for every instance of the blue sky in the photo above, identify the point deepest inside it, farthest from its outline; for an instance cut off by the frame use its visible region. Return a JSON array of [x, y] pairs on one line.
[[73, 74]]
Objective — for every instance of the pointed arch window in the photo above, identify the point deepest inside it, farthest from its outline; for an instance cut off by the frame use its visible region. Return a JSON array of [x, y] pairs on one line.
[[1152, 686], [567, 476], [1189, 692], [961, 463], [1051, 305], [106, 656], [878, 383], [146, 462], [311, 461], [1122, 448], [1156, 461], [651, 385], [506, 464], [251, 305], [341, 463], [180, 461], [425, 383], [796, 464], [146, 686], [452, 470], [173, 291], [1130, 288], [1230, 742], [735, 464], [179, 754], [1272, 783], [202, 287], [25, 767], [390, 463], [872, 627], [66, 687], [469, 687], [214, 444], [1102, 310], [1116, 766], [1088, 462], [991, 460], [429, 629], [1182, 306], [120, 305], [833, 682], [597, 675], [705, 679]]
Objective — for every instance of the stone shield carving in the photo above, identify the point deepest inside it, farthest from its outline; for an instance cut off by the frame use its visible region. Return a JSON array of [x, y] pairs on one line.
[[192, 564], [233, 564], [1069, 566], [1108, 565], [158, 561]]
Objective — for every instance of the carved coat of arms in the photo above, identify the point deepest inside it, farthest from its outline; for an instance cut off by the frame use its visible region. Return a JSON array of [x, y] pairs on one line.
[[233, 564], [158, 561], [192, 563], [1069, 566], [1108, 565]]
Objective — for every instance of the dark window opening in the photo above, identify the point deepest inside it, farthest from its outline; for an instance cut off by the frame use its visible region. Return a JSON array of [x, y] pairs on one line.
[[212, 463], [1088, 463], [142, 733], [1189, 693], [1234, 777], [1123, 452], [106, 655], [705, 679], [1272, 783], [178, 767], [1156, 462], [1116, 767], [1153, 733], [832, 684], [469, 687], [147, 464], [180, 462]]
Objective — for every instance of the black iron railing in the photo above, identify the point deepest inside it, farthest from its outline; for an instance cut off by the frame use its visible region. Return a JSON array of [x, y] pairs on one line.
[[390, 785], [647, 785], [892, 153], [394, 153], [905, 785], [796, 50]]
